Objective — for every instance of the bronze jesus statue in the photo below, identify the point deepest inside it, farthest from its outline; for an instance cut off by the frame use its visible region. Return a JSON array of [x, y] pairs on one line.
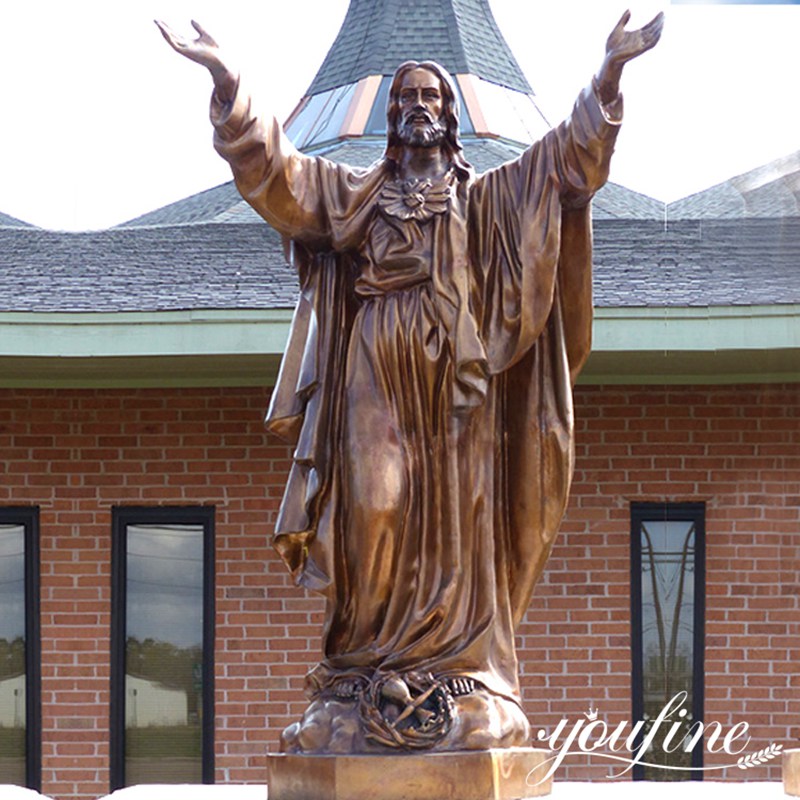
[[427, 389]]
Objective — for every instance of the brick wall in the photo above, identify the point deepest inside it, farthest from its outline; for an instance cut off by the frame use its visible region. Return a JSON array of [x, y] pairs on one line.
[[737, 449], [76, 453]]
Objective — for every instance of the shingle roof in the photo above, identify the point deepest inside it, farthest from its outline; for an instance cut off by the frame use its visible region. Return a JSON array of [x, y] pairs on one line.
[[202, 207], [697, 262], [637, 263], [7, 221], [772, 190], [145, 269], [378, 35], [618, 202]]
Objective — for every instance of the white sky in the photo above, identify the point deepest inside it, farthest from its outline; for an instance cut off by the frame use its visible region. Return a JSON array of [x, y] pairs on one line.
[[102, 121], [165, 583], [12, 582]]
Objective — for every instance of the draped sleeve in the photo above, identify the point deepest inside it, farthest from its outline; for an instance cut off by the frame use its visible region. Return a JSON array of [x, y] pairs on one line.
[[529, 229], [306, 199], [530, 255], [321, 209]]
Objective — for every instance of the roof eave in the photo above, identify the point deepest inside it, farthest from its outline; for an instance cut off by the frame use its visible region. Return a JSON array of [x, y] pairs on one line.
[[723, 344]]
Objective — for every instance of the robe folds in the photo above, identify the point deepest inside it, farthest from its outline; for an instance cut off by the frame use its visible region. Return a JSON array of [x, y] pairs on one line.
[[427, 389]]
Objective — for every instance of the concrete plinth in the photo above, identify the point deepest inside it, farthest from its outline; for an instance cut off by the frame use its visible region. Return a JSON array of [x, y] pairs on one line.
[[791, 772], [466, 775]]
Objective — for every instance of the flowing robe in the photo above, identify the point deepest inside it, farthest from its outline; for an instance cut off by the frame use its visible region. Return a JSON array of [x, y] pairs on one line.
[[427, 388]]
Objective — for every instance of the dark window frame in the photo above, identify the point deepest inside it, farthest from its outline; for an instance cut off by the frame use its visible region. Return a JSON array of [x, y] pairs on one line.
[[121, 518], [669, 512], [28, 518]]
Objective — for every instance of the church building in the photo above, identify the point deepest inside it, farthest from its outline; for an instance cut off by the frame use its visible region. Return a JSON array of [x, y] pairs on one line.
[[149, 632]]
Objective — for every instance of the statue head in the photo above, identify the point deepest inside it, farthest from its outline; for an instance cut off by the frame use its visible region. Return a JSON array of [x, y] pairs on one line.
[[417, 126]]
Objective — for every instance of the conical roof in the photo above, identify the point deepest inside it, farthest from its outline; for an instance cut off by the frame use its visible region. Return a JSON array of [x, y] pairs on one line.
[[347, 98], [378, 35]]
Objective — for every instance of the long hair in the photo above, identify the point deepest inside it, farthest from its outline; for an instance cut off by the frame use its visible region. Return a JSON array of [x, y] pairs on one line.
[[452, 143]]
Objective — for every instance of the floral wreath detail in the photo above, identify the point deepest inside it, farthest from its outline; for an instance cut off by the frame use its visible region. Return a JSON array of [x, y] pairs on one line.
[[416, 198], [410, 711], [760, 756]]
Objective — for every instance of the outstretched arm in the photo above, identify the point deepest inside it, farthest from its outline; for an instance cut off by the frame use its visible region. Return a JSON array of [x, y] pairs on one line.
[[566, 167], [204, 50], [621, 47], [281, 185]]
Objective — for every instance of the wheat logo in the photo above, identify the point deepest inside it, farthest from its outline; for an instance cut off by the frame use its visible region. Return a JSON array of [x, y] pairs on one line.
[[760, 756]]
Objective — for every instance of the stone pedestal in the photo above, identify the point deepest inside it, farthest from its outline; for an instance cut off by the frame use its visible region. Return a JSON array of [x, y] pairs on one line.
[[507, 774], [791, 772]]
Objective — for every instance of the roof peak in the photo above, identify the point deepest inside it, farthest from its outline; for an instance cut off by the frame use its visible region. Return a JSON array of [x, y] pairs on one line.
[[378, 35], [349, 94], [771, 190], [7, 221]]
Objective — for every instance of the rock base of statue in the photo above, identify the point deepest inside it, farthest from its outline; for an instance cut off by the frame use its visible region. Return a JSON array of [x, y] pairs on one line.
[[426, 718], [501, 774], [791, 772]]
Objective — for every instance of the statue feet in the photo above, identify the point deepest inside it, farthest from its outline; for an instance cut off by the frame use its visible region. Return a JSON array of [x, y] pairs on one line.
[[385, 712]]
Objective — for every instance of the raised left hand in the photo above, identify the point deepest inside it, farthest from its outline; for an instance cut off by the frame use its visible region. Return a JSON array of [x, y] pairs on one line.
[[621, 47], [624, 45]]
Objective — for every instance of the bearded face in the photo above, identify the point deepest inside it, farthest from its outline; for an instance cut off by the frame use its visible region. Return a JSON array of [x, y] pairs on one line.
[[419, 129], [421, 107]]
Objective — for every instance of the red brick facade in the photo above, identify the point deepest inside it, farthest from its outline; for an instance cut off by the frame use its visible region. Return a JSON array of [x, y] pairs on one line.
[[77, 453], [737, 449]]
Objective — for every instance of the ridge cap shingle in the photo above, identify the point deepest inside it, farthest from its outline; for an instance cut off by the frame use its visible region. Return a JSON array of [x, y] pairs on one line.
[[769, 190]]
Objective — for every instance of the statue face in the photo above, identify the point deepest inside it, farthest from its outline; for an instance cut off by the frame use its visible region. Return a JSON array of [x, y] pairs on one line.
[[421, 107], [420, 92]]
